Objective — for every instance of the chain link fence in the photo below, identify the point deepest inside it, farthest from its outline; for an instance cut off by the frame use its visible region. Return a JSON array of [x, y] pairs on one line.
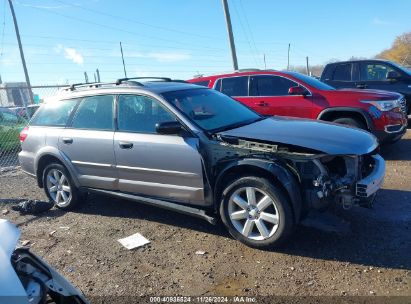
[[16, 109]]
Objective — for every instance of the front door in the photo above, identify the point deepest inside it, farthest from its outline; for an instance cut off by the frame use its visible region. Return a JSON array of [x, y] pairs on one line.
[[88, 142], [269, 94], [151, 164]]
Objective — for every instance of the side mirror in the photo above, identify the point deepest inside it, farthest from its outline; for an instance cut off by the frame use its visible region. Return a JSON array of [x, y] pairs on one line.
[[297, 91], [393, 75], [169, 127]]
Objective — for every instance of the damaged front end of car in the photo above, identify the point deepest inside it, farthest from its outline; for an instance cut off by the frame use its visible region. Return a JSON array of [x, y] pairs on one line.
[[324, 179]]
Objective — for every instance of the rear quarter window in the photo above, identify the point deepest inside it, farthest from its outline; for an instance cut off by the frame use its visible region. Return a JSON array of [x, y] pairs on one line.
[[55, 113], [234, 86]]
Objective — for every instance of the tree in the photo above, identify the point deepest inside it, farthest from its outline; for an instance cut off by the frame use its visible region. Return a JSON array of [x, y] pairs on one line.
[[400, 50]]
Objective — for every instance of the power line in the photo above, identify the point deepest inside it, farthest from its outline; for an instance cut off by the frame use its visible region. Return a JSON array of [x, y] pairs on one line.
[[136, 22], [249, 28], [120, 29], [245, 32]]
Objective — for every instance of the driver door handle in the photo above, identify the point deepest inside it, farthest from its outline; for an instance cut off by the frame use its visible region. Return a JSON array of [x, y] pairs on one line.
[[67, 140], [361, 86], [125, 145]]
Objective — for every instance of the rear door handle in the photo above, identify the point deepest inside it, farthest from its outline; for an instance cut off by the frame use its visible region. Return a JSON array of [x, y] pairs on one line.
[[262, 104], [125, 145], [361, 86], [67, 140]]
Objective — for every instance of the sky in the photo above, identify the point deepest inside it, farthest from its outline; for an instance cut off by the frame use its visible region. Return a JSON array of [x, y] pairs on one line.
[[62, 39]]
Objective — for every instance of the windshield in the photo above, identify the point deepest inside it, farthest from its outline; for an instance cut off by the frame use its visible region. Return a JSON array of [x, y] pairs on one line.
[[315, 83], [211, 110], [402, 68]]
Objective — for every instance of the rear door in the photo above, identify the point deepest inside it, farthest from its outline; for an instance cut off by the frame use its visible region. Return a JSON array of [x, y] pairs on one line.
[[342, 76], [236, 87], [269, 94], [152, 164], [87, 142]]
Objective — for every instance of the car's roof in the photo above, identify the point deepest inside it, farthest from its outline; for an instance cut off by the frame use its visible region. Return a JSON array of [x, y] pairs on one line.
[[360, 60], [156, 87], [245, 73]]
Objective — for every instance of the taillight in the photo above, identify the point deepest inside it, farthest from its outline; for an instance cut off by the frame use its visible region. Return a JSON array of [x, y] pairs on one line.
[[23, 134]]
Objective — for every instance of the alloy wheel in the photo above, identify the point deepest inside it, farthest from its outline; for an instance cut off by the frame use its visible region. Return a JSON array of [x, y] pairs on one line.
[[58, 187]]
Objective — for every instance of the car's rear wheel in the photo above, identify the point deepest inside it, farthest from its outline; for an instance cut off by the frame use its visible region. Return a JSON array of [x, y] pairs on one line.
[[351, 122], [256, 212], [59, 187]]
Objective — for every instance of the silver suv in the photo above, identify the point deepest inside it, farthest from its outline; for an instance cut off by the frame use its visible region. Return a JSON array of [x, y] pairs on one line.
[[196, 151]]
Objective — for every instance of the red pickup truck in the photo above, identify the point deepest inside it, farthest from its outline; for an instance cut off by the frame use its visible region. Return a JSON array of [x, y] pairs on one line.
[[271, 92]]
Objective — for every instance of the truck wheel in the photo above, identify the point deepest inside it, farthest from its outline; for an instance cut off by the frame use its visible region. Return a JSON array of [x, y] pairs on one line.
[[351, 122], [59, 187], [256, 212]]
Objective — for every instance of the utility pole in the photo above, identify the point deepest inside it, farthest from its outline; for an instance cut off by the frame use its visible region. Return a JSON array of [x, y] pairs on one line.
[[265, 65], [98, 75], [122, 57], [230, 34], [288, 57], [307, 66], [26, 74]]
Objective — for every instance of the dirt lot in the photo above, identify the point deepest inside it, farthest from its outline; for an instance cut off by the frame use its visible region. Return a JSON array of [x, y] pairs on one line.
[[369, 253]]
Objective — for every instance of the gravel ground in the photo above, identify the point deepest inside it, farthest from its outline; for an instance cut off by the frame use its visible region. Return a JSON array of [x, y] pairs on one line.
[[355, 252]]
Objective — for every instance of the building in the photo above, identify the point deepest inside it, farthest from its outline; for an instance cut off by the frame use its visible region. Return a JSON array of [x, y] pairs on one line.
[[14, 94]]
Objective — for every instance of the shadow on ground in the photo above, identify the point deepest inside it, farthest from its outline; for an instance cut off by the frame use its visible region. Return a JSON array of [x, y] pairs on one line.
[[400, 150], [374, 237]]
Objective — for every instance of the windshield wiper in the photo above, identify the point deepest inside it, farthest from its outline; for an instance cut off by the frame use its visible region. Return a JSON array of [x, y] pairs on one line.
[[236, 125]]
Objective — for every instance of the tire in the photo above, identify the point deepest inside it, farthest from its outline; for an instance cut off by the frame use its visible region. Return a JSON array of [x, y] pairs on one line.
[[352, 122], [65, 194], [253, 226]]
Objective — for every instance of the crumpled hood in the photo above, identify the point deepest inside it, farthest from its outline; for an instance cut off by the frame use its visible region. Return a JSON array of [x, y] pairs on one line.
[[317, 135]]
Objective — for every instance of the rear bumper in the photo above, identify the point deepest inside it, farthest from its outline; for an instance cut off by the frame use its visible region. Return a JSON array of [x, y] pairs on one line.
[[370, 184]]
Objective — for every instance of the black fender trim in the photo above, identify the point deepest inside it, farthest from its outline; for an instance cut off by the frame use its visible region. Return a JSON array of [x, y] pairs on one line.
[[278, 170], [365, 114]]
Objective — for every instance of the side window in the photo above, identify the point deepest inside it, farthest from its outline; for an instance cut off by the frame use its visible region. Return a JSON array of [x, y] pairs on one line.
[[137, 113], [270, 86], [54, 113], [342, 72], [95, 113], [235, 86], [374, 72]]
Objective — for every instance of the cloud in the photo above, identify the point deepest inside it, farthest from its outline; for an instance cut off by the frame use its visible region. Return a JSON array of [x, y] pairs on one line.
[[70, 54], [168, 57], [378, 21]]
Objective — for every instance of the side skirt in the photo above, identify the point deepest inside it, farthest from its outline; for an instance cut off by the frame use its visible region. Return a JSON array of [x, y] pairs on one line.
[[199, 213]]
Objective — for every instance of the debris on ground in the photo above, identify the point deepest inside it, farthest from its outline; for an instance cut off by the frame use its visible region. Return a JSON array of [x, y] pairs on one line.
[[5, 211], [134, 241], [25, 242], [64, 227], [51, 233], [33, 207], [200, 252]]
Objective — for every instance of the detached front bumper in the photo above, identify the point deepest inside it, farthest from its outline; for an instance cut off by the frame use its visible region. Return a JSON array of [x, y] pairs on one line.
[[370, 184]]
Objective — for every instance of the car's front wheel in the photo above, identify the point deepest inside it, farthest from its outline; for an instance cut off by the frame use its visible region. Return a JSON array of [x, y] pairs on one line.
[[59, 187], [256, 212]]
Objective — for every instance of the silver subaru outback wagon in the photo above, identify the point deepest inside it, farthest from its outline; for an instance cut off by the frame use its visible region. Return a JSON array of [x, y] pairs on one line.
[[196, 151]]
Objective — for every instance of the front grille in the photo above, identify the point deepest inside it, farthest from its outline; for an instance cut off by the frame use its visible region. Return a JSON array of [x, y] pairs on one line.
[[403, 104]]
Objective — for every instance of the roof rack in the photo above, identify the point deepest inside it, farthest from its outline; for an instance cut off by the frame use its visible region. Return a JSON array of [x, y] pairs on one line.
[[121, 80], [130, 81]]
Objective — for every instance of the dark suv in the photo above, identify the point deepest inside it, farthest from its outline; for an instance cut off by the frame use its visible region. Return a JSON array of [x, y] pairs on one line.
[[293, 94], [197, 151], [370, 74]]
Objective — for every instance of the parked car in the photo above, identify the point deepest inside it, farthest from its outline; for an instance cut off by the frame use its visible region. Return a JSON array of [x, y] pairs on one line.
[[270, 92], [26, 112], [197, 151], [10, 128], [27, 279], [370, 74]]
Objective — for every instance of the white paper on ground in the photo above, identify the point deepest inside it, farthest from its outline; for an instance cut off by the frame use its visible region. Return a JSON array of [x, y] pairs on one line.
[[134, 241]]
